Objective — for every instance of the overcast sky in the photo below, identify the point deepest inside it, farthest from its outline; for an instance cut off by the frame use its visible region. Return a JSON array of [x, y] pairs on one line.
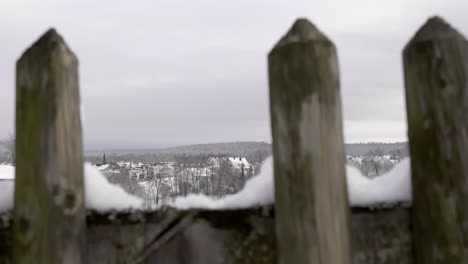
[[159, 73]]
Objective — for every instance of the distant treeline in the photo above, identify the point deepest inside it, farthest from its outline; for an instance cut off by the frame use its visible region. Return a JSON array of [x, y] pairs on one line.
[[255, 152], [375, 148]]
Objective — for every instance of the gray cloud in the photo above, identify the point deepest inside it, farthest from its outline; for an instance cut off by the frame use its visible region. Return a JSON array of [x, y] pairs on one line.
[[157, 73]]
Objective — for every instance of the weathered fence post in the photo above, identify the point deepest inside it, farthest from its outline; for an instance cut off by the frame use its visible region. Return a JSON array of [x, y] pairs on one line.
[[436, 81], [49, 214], [312, 211]]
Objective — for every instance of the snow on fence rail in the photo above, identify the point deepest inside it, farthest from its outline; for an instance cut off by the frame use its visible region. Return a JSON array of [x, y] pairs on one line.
[[393, 187], [312, 218], [100, 195]]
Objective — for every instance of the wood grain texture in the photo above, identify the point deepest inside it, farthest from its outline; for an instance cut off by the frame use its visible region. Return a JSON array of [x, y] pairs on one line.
[[49, 215], [382, 236], [310, 183], [436, 72]]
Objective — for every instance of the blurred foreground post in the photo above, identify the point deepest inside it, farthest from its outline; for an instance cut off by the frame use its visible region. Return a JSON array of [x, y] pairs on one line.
[[312, 211], [49, 213], [436, 72]]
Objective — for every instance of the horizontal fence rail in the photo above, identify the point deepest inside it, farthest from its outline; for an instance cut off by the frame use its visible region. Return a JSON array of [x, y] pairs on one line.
[[225, 236]]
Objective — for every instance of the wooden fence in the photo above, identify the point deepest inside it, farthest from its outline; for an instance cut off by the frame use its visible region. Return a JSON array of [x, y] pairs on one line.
[[311, 222]]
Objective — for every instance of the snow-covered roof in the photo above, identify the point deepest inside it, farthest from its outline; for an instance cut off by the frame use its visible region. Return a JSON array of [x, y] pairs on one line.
[[202, 172], [239, 162], [7, 172], [130, 165], [103, 167]]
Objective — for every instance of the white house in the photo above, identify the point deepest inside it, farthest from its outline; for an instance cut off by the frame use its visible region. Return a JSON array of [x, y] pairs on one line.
[[7, 173]]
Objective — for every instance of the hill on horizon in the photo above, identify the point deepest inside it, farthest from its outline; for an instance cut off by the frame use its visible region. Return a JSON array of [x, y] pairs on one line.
[[243, 148]]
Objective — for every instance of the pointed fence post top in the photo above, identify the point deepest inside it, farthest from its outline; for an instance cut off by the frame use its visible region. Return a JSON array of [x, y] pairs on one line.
[[49, 42], [434, 28], [302, 31]]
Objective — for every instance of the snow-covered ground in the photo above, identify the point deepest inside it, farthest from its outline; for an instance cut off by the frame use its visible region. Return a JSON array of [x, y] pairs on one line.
[[393, 186]]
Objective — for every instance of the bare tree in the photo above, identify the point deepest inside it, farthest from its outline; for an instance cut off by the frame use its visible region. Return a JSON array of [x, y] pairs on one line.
[[7, 150], [160, 186], [127, 183], [227, 180]]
